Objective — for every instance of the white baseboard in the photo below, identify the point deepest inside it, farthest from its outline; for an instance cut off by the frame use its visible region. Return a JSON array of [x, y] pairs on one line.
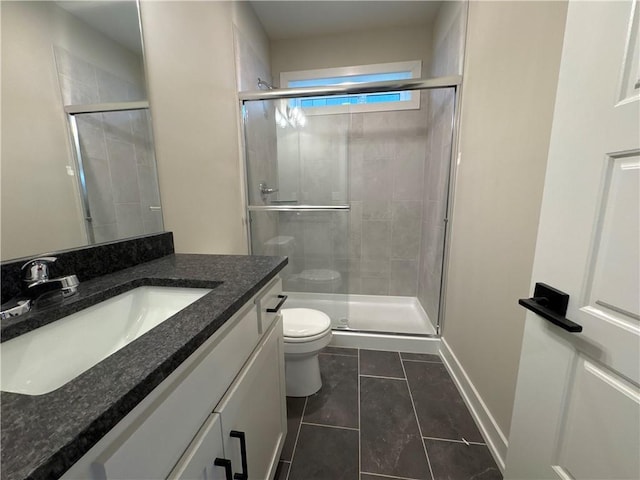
[[496, 440]]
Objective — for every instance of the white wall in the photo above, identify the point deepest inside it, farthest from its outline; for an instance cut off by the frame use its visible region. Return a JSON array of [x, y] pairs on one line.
[[41, 208], [357, 48], [189, 49], [510, 74]]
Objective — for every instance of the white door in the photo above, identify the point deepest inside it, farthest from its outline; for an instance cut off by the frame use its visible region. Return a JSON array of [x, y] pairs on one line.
[[577, 406]]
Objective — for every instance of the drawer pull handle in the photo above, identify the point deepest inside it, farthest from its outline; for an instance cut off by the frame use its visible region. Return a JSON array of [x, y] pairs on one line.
[[223, 462], [283, 298], [243, 452]]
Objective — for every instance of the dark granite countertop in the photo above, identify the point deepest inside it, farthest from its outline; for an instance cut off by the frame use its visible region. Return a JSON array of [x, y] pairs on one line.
[[43, 435]]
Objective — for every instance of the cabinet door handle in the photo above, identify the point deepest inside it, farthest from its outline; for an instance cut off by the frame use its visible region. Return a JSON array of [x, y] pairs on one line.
[[243, 452], [283, 298], [223, 462]]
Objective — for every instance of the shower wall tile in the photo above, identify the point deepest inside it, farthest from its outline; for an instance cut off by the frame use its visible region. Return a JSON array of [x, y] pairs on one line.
[[75, 92], [406, 231], [105, 233], [375, 286], [149, 192], [376, 239], [129, 219], [74, 67], [356, 168], [374, 269], [152, 221], [340, 234], [376, 209], [91, 135], [100, 193], [112, 88], [117, 126], [356, 127], [384, 156], [446, 60], [355, 230], [408, 171], [404, 278], [124, 172]]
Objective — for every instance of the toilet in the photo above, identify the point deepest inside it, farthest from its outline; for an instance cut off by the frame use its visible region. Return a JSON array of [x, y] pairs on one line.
[[306, 332]]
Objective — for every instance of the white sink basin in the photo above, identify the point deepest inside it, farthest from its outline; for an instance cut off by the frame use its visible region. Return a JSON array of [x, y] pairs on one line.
[[46, 358]]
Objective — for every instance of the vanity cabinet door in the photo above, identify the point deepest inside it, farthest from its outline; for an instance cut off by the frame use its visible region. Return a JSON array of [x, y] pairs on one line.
[[199, 461], [253, 411]]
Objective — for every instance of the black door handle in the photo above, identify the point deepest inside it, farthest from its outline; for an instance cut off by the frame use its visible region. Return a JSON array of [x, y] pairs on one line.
[[223, 462], [551, 304], [243, 452], [283, 298]]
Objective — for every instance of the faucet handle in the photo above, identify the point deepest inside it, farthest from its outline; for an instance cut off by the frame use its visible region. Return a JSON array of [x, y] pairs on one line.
[[36, 270]]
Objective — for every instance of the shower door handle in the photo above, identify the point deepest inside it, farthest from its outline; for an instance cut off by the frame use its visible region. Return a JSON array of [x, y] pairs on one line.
[[265, 190]]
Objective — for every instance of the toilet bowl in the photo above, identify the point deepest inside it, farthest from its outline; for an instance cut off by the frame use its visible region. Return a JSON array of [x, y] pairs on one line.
[[306, 332]]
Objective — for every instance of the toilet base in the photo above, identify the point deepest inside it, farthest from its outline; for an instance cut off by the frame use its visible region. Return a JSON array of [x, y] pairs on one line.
[[302, 374]]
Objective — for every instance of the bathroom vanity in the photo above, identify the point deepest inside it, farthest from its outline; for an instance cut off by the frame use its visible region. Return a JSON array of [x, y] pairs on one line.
[[203, 391]]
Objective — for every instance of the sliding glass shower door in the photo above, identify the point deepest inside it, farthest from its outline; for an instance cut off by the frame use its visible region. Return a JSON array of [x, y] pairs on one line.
[[357, 196], [297, 169]]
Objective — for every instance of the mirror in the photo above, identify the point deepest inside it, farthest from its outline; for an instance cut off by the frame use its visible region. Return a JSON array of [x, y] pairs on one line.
[[78, 165]]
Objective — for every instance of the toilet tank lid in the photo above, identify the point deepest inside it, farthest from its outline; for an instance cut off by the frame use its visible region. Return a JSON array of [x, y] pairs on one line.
[[304, 322], [319, 275], [280, 240]]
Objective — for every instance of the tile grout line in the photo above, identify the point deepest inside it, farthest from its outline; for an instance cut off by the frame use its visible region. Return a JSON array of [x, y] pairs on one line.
[[417, 421], [359, 424], [421, 361], [295, 444], [388, 476], [337, 354], [454, 441], [330, 426], [383, 377]]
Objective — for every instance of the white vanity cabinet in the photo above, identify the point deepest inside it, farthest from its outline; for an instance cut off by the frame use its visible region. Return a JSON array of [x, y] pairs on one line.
[[247, 425], [229, 394]]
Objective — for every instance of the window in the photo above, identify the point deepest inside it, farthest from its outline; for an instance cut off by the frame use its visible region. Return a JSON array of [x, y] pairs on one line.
[[367, 102]]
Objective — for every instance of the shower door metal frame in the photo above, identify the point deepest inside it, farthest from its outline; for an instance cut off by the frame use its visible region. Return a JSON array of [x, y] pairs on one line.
[[454, 82], [71, 111]]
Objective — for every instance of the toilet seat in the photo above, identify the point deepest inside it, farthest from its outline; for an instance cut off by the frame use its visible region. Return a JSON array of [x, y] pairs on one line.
[[304, 325]]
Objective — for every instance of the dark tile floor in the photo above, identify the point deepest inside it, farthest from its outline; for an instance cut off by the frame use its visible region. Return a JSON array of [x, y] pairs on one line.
[[383, 415]]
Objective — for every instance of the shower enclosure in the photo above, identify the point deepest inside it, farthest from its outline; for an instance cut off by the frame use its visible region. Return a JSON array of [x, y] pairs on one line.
[[358, 201]]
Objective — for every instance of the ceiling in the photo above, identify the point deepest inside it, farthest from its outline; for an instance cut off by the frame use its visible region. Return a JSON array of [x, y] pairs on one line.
[[295, 19], [117, 20]]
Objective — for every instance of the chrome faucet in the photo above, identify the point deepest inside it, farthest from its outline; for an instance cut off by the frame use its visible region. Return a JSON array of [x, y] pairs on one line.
[[37, 284], [36, 281]]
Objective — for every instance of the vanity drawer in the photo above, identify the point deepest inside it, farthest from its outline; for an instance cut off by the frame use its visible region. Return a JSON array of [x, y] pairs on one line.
[[152, 444], [269, 305]]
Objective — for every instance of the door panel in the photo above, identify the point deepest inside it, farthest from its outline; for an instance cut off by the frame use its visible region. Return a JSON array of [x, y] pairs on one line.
[[576, 412], [602, 425], [197, 463], [249, 405]]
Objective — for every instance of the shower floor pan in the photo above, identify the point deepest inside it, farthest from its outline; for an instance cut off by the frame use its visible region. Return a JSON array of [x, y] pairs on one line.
[[367, 313]]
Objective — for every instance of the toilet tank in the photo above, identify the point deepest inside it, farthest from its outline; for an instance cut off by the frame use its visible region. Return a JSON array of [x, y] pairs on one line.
[[282, 245]]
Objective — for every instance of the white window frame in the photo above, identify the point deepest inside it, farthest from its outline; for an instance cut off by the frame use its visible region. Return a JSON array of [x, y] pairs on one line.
[[414, 66]]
